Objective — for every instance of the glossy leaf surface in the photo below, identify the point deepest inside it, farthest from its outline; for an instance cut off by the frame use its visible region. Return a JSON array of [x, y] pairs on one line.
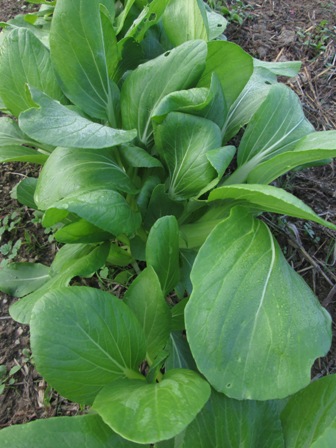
[[281, 326], [83, 339], [20, 279], [166, 407]]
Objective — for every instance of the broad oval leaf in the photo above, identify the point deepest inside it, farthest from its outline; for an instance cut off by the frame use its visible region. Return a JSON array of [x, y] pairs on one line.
[[82, 339], [24, 192], [25, 60], [106, 209], [224, 422], [253, 325], [71, 169], [20, 279], [269, 199], [70, 261], [54, 124], [146, 300], [310, 415], [162, 251], [85, 431], [183, 141], [81, 58], [232, 65], [177, 69], [166, 408]]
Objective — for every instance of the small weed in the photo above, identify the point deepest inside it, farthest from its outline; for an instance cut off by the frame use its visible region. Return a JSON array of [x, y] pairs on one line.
[[317, 38], [9, 225], [6, 378], [236, 11]]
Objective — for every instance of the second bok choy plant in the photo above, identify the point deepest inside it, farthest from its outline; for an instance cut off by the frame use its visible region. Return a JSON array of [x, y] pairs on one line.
[[130, 108]]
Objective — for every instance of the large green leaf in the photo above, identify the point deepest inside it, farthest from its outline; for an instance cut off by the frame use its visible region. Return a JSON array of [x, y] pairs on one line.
[[161, 204], [146, 300], [224, 422], [11, 134], [70, 261], [275, 128], [269, 199], [54, 124], [309, 418], [232, 65], [69, 170], [25, 60], [80, 231], [253, 325], [83, 44], [106, 209], [82, 339], [85, 431], [311, 148], [180, 356], [183, 141], [177, 69], [20, 279], [183, 21], [166, 408], [162, 251]]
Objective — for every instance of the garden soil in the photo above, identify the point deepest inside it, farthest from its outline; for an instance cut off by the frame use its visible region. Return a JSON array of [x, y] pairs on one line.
[[280, 30]]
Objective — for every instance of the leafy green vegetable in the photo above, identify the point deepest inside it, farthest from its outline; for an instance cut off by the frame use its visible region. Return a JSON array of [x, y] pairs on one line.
[[131, 115]]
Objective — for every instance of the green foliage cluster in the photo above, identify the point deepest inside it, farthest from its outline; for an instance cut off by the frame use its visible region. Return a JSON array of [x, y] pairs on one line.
[[130, 107]]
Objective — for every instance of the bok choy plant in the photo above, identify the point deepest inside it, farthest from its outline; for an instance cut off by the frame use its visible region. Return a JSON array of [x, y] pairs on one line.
[[131, 107]]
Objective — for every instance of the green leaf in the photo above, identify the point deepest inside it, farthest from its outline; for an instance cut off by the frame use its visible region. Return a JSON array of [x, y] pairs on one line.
[[139, 158], [70, 261], [232, 65], [150, 15], [201, 101], [11, 134], [106, 209], [82, 42], [185, 153], [81, 231], [269, 199], [224, 422], [146, 300], [162, 251], [161, 204], [70, 170], [240, 275], [309, 418], [85, 431], [82, 339], [54, 124], [177, 313], [283, 68], [25, 191], [166, 408], [20, 279], [217, 24], [275, 128], [177, 69], [21, 154], [25, 60], [185, 21], [311, 148], [180, 356]]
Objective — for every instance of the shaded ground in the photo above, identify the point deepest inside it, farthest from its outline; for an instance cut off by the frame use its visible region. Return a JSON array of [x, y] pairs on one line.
[[271, 30]]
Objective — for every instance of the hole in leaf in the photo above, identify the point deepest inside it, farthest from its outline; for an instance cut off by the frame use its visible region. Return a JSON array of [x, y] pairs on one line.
[[167, 53], [219, 25], [229, 385], [152, 17], [268, 83]]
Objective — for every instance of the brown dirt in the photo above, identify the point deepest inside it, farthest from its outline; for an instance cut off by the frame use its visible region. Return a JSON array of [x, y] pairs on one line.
[[272, 30]]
